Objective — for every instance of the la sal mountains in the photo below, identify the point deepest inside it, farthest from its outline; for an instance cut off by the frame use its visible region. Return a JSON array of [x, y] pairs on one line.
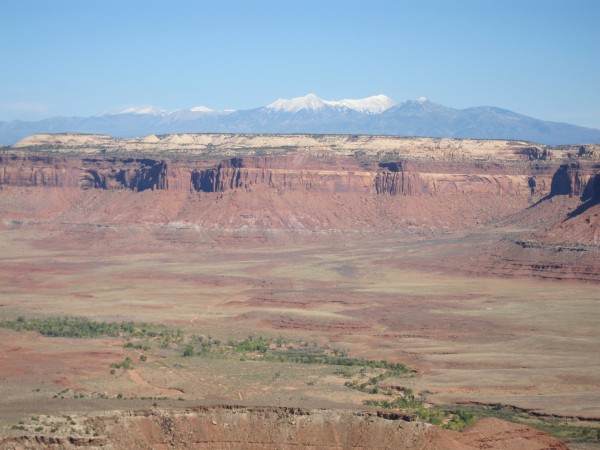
[[378, 115]]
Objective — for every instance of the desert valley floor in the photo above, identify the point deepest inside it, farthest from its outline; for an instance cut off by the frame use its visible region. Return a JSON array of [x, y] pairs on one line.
[[488, 294]]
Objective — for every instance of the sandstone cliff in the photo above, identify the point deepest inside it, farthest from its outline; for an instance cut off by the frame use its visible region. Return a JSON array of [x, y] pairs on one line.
[[574, 179], [345, 175], [83, 173], [288, 182]]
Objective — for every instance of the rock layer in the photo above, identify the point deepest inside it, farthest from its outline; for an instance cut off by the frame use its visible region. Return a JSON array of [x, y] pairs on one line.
[[574, 179], [258, 428], [298, 182], [344, 175], [83, 173]]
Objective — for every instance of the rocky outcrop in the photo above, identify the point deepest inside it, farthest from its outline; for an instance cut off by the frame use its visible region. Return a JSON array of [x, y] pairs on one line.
[[52, 442], [592, 189], [573, 179], [536, 153], [45, 171], [401, 178], [392, 178], [279, 173], [258, 428], [228, 175], [222, 179], [295, 172], [86, 173], [366, 165], [136, 175]]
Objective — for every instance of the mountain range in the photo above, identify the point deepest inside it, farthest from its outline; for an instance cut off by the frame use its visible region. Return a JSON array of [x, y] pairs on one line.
[[377, 115]]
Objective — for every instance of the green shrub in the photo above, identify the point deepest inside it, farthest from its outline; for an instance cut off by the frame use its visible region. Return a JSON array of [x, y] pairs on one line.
[[81, 327], [126, 364], [252, 344], [188, 350]]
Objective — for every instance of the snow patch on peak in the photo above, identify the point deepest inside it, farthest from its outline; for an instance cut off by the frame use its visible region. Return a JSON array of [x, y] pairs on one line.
[[201, 109], [422, 99], [310, 102], [147, 110], [371, 105]]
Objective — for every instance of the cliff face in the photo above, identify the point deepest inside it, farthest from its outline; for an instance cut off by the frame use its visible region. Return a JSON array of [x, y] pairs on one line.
[[293, 173], [112, 173], [263, 191], [366, 165], [222, 179], [344, 175], [393, 178], [17, 170], [592, 188], [573, 179], [419, 183], [136, 175]]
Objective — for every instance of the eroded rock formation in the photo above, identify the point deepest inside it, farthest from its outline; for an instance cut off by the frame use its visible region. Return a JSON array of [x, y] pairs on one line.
[[314, 183], [258, 428], [134, 174], [84, 173], [573, 179], [31, 170], [342, 176], [592, 188], [295, 173]]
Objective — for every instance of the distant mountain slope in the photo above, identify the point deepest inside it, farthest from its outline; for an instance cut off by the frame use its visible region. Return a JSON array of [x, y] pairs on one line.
[[310, 114]]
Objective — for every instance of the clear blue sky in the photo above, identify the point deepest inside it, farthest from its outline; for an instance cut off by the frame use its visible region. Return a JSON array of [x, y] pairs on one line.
[[535, 57]]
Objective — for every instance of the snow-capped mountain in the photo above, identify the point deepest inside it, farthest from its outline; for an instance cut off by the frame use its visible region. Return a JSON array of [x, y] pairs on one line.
[[310, 114], [145, 110], [203, 109], [374, 105]]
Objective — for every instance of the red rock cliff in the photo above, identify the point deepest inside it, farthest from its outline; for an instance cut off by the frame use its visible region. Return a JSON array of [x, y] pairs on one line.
[[297, 173], [574, 179]]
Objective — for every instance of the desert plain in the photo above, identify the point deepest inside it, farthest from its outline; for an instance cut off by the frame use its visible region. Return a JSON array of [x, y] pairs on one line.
[[474, 264]]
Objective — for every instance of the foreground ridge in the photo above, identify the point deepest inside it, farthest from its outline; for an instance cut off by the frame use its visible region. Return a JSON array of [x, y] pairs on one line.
[[254, 427]]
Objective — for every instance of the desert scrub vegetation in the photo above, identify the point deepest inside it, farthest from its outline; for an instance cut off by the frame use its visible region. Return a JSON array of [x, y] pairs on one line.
[[140, 335], [404, 399], [126, 364], [379, 379], [81, 327], [568, 429], [408, 402], [67, 327], [260, 348]]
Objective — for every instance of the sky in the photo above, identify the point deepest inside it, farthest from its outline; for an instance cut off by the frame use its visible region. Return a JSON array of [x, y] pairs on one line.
[[79, 58]]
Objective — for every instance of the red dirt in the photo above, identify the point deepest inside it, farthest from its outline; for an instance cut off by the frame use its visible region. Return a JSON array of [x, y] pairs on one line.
[[285, 428]]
